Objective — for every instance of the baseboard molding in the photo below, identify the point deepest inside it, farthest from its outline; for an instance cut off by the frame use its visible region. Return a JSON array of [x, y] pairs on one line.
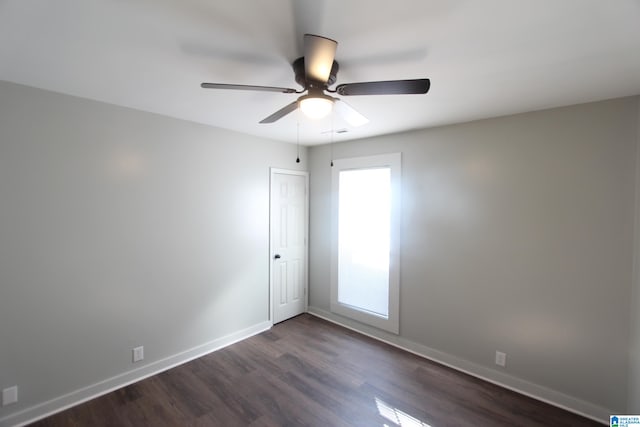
[[535, 391], [84, 394]]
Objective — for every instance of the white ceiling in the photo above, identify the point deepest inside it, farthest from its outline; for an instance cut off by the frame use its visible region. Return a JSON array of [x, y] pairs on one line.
[[484, 58]]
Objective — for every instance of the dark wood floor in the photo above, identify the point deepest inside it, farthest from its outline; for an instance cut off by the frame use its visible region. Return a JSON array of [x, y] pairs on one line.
[[308, 372]]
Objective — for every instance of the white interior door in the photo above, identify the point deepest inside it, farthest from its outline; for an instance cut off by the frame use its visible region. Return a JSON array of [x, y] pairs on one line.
[[289, 228]]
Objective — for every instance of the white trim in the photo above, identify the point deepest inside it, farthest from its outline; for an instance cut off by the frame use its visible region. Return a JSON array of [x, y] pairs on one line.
[[394, 162], [84, 394], [526, 388], [273, 171]]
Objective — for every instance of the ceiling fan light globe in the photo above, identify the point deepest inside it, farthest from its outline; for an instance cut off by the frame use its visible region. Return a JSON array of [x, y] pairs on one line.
[[316, 107]]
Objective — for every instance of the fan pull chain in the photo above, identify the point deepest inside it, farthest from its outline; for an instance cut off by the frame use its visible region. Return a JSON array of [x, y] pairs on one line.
[[331, 144], [298, 142]]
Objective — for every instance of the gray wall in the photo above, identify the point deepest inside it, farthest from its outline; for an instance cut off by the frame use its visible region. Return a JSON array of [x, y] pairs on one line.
[[517, 235], [634, 354], [121, 228]]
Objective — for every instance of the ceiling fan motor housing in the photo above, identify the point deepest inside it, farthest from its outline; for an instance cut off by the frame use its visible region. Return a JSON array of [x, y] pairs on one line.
[[301, 77]]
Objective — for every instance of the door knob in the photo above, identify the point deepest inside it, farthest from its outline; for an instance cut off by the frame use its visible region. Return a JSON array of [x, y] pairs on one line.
[[277, 256]]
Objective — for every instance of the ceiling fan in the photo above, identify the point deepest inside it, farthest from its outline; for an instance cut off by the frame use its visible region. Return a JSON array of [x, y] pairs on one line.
[[315, 72]]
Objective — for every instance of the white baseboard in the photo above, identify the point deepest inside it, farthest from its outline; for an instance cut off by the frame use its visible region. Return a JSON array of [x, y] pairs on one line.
[[84, 394], [535, 391]]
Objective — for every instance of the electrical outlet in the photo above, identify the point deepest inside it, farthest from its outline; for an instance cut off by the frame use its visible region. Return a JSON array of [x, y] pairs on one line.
[[138, 354], [9, 395], [501, 359]]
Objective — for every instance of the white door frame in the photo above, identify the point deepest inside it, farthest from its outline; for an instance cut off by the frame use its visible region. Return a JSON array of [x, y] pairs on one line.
[[274, 171]]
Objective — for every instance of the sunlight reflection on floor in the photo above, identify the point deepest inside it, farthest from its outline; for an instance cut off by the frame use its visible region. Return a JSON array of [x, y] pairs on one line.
[[397, 417]]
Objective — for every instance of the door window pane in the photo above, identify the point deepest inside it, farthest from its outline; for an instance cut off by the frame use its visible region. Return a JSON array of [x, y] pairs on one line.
[[364, 215]]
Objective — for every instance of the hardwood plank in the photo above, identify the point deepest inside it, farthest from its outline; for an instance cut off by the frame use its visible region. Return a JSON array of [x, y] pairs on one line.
[[309, 372]]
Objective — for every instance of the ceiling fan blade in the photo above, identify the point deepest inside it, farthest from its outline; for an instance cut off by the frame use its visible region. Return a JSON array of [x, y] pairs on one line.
[[281, 113], [319, 53], [349, 114], [391, 87], [247, 87]]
